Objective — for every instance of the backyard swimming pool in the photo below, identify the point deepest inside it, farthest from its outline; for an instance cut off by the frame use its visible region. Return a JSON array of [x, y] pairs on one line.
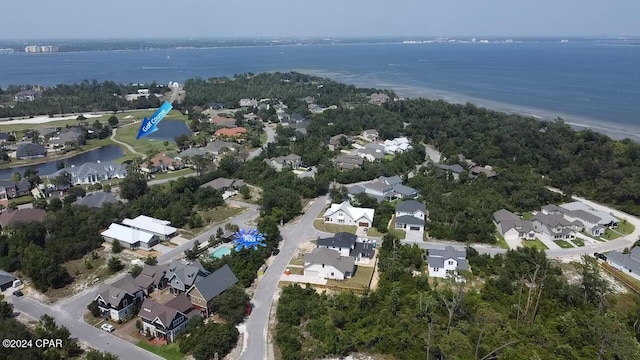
[[220, 251]]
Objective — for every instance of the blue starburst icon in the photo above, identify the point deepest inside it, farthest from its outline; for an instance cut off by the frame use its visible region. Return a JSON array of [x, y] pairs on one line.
[[249, 239]]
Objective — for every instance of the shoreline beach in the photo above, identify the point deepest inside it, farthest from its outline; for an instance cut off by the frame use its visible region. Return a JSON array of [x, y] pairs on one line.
[[613, 130]]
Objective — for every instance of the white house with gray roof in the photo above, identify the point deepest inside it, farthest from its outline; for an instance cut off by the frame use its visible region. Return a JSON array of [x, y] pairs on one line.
[[605, 219], [448, 262], [291, 161], [627, 263], [384, 188], [590, 222], [328, 264], [91, 173], [553, 226], [512, 227], [345, 214], [411, 216]]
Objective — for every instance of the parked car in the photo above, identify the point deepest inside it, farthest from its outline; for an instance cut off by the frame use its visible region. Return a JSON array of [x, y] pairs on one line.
[[107, 327], [276, 251], [602, 257], [17, 293]]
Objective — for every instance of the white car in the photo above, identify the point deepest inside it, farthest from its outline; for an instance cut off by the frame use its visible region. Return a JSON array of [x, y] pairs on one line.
[[107, 327]]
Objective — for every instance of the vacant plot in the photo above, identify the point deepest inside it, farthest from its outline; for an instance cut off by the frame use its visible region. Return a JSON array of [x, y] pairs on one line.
[[169, 352], [563, 244], [611, 234], [578, 242], [625, 227], [173, 174], [536, 244], [333, 228]]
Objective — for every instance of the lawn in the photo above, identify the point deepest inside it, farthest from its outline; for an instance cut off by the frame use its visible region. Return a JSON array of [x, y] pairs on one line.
[[213, 217], [502, 242], [591, 236], [625, 227], [360, 279], [173, 174], [563, 244], [296, 270], [536, 244], [578, 242], [333, 228], [527, 216], [610, 234], [21, 200], [169, 352]]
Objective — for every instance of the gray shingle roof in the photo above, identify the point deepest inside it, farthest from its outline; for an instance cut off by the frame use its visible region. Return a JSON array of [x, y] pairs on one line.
[[190, 152], [341, 239], [629, 261], [404, 190], [411, 206], [365, 249], [393, 180], [114, 293], [188, 274], [504, 215], [97, 200], [216, 282], [437, 257], [332, 258], [29, 149], [455, 168], [6, 277], [166, 313], [409, 220], [108, 169]]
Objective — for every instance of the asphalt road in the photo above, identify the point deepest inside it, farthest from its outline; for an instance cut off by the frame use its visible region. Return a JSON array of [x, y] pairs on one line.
[[293, 235], [271, 136]]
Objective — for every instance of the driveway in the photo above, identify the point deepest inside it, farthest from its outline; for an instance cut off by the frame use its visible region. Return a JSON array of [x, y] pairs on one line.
[[178, 240], [414, 236], [162, 249]]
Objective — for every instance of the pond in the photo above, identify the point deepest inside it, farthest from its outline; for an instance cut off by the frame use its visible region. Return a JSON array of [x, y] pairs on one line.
[[169, 129], [105, 153]]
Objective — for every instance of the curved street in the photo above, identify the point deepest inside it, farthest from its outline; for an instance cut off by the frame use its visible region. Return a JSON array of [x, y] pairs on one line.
[[129, 147]]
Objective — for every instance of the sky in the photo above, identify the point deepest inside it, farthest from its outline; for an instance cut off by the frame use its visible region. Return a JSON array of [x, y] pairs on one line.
[[47, 19]]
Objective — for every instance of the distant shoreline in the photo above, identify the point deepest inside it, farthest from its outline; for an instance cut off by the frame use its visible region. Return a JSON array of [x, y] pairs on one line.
[[615, 131]]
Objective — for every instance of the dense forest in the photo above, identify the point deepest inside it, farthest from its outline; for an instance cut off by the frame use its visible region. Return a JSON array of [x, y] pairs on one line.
[[83, 97], [522, 307]]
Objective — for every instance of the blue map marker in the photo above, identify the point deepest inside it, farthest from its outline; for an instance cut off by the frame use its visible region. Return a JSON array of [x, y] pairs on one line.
[[249, 239], [150, 125]]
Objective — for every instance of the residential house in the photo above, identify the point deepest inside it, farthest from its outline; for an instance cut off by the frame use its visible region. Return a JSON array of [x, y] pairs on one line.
[[97, 200], [214, 105], [225, 184], [590, 221], [4, 137], [338, 142], [166, 321], [385, 188], [448, 262], [45, 133], [161, 163], [606, 220], [12, 189], [91, 173], [291, 161], [181, 276], [411, 216], [299, 122], [223, 121], [20, 216], [205, 290], [66, 137], [191, 152], [348, 245], [372, 152], [29, 151], [6, 280], [152, 277], [345, 214], [160, 228], [378, 98], [220, 147], [370, 135], [231, 132], [397, 145], [129, 237], [27, 95], [116, 301], [487, 170], [308, 99], [248, 102], [627, 263], [328, 264], [455, 170], [555, 227], [512, 227], [346, 162]]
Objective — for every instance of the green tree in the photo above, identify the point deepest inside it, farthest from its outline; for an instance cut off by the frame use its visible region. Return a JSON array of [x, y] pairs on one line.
[[116, 247], [231, 304], [16, 177], [133, 186], [245, 192], [113, 121], [98, 355], [151, 260], [115, 264], [55, 204], [93, 308], [135, 271]]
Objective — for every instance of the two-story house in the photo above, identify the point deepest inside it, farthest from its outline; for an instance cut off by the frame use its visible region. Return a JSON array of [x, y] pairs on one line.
[[411, 216], [448, 262], [116, 301], [181, 276], [166, 321], [204, 290], [91, 173], [291, 161], [328, 264], [12, 189], [347, 244], [152, 277]]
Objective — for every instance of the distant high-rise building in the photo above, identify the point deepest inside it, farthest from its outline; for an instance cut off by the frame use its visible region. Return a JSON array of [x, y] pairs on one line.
[[40, 49]]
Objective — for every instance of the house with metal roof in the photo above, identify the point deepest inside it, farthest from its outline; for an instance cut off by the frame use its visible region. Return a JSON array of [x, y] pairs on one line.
[[447, 262], [627, 263], [328, 264], [130, 237], [206, 289], [162, 229]]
